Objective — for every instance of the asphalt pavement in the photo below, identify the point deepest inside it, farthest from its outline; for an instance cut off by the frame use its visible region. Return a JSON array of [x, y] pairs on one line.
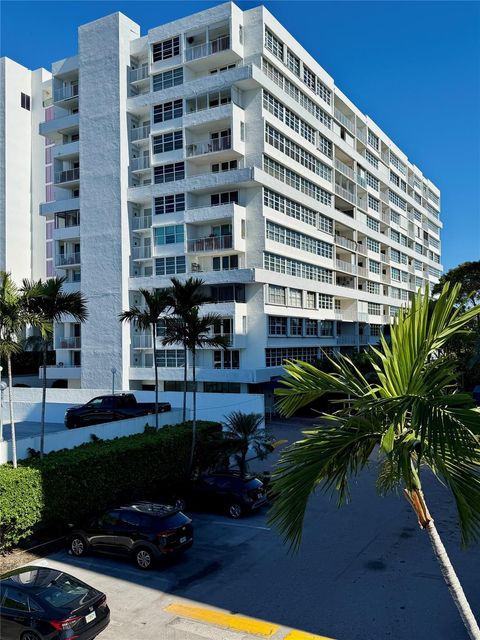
[[363, 572], [29, 429]]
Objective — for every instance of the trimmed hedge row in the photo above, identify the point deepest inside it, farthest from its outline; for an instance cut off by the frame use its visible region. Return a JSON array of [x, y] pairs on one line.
[[69, 485]]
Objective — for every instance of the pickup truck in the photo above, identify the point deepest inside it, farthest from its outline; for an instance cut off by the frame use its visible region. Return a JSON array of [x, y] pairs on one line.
[[108, 408]]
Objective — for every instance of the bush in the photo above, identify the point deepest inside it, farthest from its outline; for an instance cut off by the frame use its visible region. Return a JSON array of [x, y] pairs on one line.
[[70, 485]]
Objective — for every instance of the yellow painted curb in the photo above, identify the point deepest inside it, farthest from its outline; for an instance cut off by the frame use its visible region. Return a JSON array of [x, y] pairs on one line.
[[278, 443], [303, 635], [227, 620]]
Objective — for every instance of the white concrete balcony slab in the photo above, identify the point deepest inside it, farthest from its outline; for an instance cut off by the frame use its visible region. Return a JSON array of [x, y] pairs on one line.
[[203, 215], [66, 233], [66, 372], [66, 151], [67, 204], [62, 124]]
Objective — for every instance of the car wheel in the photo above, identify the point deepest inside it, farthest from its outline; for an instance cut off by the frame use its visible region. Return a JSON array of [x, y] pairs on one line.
[[143, 558], [78, 546], [235, 510], [29, 635]]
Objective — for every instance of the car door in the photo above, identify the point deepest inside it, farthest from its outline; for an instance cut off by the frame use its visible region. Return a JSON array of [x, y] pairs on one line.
[[90, 412], [106, 411], [203, 492], [129, 531], [15, 613], [102, 535], [223, 492]]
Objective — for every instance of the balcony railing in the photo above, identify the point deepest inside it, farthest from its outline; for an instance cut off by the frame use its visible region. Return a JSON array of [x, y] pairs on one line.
[[214, 243], [142, 341], [218, 144], [66, 93], [63, 259], [208, 48], [142, 253], [346, 195], [346, 242], [141, 222], [137, 164], [68, 342], [361, 181], [346, 266], [341, 117], [139, 74], [362, 136], [139, 133], [67, 176], [345, 169], [386, 157]]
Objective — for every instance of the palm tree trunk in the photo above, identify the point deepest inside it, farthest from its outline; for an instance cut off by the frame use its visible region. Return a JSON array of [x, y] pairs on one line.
[[44, 398], [416, 499], [194, 407], [154, 336], [185, 369], [12, 421]]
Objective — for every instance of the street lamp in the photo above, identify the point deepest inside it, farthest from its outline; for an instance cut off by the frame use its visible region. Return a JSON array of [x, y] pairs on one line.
[[3, 386], [114, 371]]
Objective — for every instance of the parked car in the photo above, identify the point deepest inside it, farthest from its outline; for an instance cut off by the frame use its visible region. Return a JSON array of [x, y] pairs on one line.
[[38, 603], [143, 531], [108, 408], [227, 492]]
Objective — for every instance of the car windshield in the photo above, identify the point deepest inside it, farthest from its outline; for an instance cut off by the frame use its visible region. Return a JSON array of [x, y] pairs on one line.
[[65, 591], [173, 522]]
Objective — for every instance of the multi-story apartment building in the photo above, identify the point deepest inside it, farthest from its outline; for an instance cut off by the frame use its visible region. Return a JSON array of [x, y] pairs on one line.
[[216, 146]]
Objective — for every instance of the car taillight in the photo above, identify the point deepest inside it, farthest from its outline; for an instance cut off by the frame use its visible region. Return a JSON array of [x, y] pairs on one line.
[[62, 625], [103, 602]]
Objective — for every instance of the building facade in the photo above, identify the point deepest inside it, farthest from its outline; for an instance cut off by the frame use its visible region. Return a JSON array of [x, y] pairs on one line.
[[216, 146]]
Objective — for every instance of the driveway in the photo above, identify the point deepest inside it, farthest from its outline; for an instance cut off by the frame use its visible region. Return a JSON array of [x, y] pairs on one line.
[[29, 429], [364, 572]]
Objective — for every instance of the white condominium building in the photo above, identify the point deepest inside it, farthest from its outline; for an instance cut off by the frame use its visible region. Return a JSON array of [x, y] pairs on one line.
[[216, 146]]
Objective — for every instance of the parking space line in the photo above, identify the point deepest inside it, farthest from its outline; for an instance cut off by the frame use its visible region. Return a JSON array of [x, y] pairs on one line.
[[303, 635], [225, 620], [238, 524]]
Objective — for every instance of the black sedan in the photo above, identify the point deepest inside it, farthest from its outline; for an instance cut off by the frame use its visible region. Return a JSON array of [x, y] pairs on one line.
[[38, 603]]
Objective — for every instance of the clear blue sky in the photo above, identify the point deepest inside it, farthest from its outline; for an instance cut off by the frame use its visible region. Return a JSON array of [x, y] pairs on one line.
[[414, 67]]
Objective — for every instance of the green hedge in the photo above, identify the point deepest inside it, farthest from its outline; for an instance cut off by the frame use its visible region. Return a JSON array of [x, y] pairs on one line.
[[69, 485]]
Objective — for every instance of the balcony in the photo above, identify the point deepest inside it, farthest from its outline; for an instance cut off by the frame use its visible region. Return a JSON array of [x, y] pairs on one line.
[[142, 341], [63, 124], [139, 133], [67, 259], [137, 75], [63, 372], [212, 146], [361, 181], [346, 242], [68, 342], [142, 253], [342, 118], [345, 169], [213, 243], [141, 223], [362, 136], [70, 175], [207, 48], [343, 193], [140, 164], [66, 93]]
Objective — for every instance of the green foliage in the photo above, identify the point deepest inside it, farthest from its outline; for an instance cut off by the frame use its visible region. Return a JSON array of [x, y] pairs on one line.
[[67, 486], [409, 410], [21, 503], [247, 430]]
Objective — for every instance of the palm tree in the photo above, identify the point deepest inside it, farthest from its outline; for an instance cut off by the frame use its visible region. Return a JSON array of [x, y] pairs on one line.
[[246, 429], [157, 302], [12, 321], [49, 304], [194, 332], [411, 413], [184, 296]]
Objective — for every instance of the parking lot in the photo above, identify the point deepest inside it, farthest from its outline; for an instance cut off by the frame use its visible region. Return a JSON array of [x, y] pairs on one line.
[[363, 572]]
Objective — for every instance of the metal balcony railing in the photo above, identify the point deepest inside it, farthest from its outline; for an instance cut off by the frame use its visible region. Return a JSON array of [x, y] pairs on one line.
[[139, 74], [342, 118], [139, 133], [137, 164], [66, 93], [63, 259], [362, 136], [346, 242], [214, 243], [141, 222], [67, 176], [346, 195], [218, 144], [142, 253], [68, 342], [142, 341], [345, 169], [346, 266], [208, 48]]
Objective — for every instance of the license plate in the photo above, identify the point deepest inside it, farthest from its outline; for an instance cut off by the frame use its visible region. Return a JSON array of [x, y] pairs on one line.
[[182, 540], [90, 617]]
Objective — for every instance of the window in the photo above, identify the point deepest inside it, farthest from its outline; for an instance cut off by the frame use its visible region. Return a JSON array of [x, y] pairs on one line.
[[273, 45], [395, 274], [394, 178], [373, 245], [170, 266], [25, 101], [324, 93], [311, 327], [293, 63], [394, 216], [222, 69], [169, 173], [226, 359], [296, 326], [310, 302], [169, 235], [276, 294], [169, 204], [226, 197], [281, 264], [298, 240], [276, 108], [225, 263], [170, 358], [242, 131], [373, 203], [373, 287], [374, 266], [224, 166], [295, 210], [228, 293], [295, 297], [221, 387], [373, 140], [371, 158], [168, 111], [280, 172], [168, 79], [397, 200], [398, 164], [277, 357], [373, 224], [374, 309], [325, 301], [326, 328], [15, 599], [371, 181], [168, 142], [375, 330], [309, 78], [324, 145], [166, 49]]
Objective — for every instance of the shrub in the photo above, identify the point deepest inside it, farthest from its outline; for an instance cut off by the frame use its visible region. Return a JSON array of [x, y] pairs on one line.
[[69, 485]]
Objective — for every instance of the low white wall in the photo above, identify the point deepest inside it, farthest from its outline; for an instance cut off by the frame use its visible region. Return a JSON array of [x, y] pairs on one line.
[[210, 406], [69, 438]]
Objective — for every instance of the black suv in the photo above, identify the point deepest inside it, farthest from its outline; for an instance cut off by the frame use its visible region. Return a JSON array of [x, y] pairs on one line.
[[226, 491], [144, 531], [38, 603]]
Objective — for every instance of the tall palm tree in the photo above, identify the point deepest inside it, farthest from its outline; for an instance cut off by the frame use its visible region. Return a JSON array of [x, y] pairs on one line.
[[411, 413], [183, 296], [50, 304], [157, 302], [247, 429], [13, 320], [194, 332]]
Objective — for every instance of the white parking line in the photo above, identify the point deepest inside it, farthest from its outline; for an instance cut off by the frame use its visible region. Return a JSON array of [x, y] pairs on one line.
[[236, 524]]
